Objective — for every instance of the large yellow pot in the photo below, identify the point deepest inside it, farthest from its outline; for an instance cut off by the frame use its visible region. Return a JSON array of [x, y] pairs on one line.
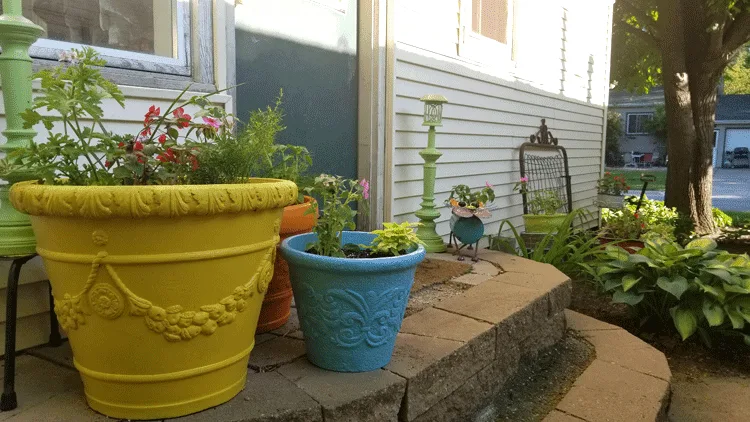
[[158, 287]]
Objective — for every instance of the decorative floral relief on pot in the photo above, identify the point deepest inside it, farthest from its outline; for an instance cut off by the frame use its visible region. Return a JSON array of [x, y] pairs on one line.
[[109, 301], [348, 319]]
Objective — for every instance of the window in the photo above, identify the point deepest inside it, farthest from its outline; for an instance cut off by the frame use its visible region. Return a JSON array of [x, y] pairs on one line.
[[636, 124], [139, 35], [490, 19], [486, 30]]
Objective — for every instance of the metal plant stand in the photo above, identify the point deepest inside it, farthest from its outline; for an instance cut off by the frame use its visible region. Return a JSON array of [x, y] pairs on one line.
[[8, 400], [545, 164]]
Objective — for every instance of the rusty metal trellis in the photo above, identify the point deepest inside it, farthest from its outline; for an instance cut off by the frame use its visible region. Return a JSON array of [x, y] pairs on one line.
[[545, 164]]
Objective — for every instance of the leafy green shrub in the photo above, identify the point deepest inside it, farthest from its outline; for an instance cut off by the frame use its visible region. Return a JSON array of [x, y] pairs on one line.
[[721, 219], [652, 220], [570, 250], [697, 287]]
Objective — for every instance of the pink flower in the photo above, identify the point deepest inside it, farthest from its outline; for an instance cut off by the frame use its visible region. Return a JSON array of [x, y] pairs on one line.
[[365, 188], [488, 185], [212, 121], [524, 179]]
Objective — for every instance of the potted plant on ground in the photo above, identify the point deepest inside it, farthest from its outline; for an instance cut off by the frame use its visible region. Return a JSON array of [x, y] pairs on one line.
[[611, 190], [286, 162], [351, 288], [630, 228], [467, 208], [543, 206], [158, 277]]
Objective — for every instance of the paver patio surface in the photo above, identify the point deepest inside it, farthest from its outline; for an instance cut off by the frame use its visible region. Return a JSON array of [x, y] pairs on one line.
[[710, 399]]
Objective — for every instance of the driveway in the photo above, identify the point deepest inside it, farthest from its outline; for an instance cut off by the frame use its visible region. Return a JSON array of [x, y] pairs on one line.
[[731, 190]]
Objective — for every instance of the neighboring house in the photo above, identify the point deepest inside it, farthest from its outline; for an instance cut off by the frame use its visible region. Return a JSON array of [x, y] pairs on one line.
[[732, 124], [352, 73], [635, 110]]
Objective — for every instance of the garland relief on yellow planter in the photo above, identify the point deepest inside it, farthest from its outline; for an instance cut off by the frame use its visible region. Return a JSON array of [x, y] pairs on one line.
[[158, 287]]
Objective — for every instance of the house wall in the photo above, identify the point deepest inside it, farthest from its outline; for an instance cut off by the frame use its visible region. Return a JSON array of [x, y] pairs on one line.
[[33, 292], [559, 73], [635, 143]]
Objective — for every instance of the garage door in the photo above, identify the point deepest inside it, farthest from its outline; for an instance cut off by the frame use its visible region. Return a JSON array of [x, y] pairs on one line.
[[738, 138]]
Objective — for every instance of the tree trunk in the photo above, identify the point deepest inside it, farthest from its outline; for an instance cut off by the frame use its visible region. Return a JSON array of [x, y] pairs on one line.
[[703, 94], [677, 104]]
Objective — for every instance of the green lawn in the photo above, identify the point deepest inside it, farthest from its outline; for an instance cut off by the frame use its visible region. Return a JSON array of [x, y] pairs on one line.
[[633, 176], [739, 217]]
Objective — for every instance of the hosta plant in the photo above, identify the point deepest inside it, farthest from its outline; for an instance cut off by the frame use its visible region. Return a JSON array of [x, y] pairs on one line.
[[697, 287]]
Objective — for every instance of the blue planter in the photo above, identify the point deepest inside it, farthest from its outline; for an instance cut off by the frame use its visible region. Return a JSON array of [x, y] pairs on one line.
[[350, 310], [467, 229]]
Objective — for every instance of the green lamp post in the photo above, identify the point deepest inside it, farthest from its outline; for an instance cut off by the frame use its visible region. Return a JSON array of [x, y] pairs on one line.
[[16, 36], [433, 116]]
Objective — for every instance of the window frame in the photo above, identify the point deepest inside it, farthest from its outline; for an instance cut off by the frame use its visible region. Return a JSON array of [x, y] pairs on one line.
[[636, 114], [476, 47], [193, 67]]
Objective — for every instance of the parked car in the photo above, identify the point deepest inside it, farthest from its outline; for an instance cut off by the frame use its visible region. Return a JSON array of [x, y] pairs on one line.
[[740, 157]]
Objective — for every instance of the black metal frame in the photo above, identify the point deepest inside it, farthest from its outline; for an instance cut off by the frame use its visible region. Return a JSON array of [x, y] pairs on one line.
[[8, 400], [563, 156]]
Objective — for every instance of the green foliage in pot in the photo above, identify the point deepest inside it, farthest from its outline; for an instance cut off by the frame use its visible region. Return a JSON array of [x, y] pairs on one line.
[[698, 287], [610, 184], [540, 202], [395, 239], [462, 196], [337, 196], [81, 151], [570, 250]]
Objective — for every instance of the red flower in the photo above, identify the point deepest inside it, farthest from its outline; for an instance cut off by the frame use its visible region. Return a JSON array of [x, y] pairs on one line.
[[153, 111], [107, 164], [162, 138], [152, 114], [636, 215], [161, 158], [194, 162], [606, 173], [121, 144], [183, 120], [643, 225], [138, 146], [146, 131]]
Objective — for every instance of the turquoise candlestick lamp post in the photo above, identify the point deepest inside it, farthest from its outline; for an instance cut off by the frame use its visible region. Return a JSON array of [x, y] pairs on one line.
[[433, 116], [16, 36]]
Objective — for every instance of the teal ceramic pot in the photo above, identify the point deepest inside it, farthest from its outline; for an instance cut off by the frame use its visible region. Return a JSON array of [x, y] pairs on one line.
[[350, 310], [467, 230]]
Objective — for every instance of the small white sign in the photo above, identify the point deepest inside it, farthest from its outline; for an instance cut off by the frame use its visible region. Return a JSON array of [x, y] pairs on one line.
[[338, 5]]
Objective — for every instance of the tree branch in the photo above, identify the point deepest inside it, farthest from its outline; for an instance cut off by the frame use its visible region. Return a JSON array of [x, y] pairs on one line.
[[641, 15], [737, 34], [648, 37]]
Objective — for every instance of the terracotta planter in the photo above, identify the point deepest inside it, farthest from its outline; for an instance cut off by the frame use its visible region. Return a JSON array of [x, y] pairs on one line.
[[278, 300], [632, 246]]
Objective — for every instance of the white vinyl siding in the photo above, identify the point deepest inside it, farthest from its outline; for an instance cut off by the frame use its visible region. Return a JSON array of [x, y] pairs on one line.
[[558, 73], [33, 292]]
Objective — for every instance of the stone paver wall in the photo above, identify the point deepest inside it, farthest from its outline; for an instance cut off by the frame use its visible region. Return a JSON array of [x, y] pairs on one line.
[[449, 361]]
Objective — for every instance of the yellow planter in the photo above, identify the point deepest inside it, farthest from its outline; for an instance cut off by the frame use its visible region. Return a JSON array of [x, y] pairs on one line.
[[158, 287]]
